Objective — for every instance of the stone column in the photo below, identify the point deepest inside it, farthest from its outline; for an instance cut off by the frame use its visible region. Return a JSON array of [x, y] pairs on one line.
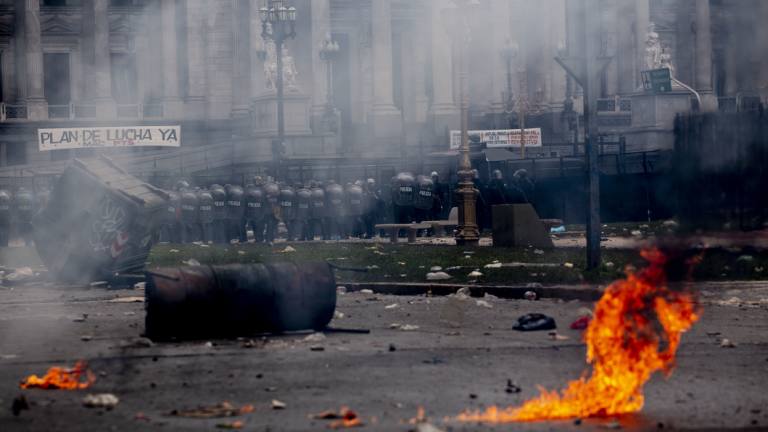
[[763, 76], [172, 104], [37, 106], [642, 21], [241, 89], [500, 17], [102, 62], [443, 111], [386, 118], [625, 49], [703, 56], [321, 28], [557, 84], [419, 70], [257, 49], [196, 31]]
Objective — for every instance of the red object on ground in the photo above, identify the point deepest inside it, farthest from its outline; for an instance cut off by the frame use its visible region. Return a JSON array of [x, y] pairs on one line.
[[580, 324]]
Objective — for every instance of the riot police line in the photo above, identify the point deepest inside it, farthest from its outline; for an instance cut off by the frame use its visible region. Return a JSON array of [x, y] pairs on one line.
[[320, 210], [224, 214]]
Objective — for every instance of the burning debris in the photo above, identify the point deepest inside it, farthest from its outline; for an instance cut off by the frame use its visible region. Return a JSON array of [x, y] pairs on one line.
[[58, 378], [635, 332], [343, 419], [223, 409]]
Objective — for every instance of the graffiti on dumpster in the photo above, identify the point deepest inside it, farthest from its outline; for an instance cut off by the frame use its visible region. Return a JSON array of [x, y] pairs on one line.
[[109, 230]]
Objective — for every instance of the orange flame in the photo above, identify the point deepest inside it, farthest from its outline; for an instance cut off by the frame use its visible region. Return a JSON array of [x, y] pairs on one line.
[[58, 378], [624, 347], [349, 419]]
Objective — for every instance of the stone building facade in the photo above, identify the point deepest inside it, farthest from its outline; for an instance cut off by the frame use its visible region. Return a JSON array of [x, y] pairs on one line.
[[394, 91]]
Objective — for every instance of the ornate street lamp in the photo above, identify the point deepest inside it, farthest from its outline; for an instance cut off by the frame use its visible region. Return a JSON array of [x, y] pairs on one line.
[[278, 24], [467, 232], [329, 52]]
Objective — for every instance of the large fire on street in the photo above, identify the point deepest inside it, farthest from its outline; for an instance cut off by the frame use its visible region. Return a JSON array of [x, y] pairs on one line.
[[635, 332]]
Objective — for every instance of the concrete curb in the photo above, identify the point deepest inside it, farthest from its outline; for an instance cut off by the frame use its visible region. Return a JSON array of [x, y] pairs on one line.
[[563, 292]]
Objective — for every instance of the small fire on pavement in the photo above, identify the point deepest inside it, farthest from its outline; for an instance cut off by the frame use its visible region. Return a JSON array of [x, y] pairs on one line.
[[58, 378], [635, 332]]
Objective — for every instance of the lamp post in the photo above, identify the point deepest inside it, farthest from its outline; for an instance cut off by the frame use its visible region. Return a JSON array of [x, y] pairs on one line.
[[329, 52], [467, 232], [278, 23], [509, 53]]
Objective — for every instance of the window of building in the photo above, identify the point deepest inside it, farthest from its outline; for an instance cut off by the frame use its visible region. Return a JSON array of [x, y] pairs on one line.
[[124, 78], [55, 3], [15, 153], [122, 3], [57, 80]]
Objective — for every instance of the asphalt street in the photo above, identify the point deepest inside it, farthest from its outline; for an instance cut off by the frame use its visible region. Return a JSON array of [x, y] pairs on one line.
[[457, 354]]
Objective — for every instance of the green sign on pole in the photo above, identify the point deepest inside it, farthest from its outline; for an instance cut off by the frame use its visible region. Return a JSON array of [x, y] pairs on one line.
[[657, 80]]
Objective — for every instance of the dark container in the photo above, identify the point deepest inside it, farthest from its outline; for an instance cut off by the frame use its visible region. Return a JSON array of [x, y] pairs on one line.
[[238, 300], [99, 221]]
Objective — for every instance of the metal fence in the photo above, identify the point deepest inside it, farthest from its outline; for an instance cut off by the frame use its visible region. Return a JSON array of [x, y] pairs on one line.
[[721, 169]]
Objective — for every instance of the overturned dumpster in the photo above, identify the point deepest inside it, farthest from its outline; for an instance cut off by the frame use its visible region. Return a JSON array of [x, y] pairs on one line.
[[99, 221], [200, 302]]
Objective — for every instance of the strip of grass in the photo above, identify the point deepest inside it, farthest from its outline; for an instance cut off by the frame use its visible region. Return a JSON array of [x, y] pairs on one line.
[[411, 263]]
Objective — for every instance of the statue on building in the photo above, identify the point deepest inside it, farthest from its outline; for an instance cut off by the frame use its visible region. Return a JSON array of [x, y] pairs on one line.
[[653, 50], [290, 72], [665, 61]]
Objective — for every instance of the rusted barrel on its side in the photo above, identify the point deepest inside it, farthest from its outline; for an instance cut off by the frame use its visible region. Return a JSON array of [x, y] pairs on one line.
[[238, 300]]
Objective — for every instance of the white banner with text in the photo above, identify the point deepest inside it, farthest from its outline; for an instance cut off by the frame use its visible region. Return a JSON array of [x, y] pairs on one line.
[[500, 138], [102, 137]]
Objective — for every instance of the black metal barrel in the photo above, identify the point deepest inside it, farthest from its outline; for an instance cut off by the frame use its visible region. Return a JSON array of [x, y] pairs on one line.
[[238, 300]]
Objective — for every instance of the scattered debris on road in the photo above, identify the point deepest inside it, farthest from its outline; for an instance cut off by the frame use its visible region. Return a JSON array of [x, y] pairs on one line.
[[237, 424], [727, 343], [534, 322], [403, 327], [440, 275], [223, 409], [19, 404], [130, 299], [101, 400], [512, 387], [555, 336], [343, 419], [278, 405]]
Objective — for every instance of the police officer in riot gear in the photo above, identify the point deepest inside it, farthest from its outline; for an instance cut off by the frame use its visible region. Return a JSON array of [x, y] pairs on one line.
[[355, 204], [525, 185], [5, 217], [317, 212], [219, 228], [335, 211], [372, 208], [288, 211], [272, 210], [235, 214], [423, 200], [403, 195], [189, 216], [205, 215], [303, 212], [254, 208]]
